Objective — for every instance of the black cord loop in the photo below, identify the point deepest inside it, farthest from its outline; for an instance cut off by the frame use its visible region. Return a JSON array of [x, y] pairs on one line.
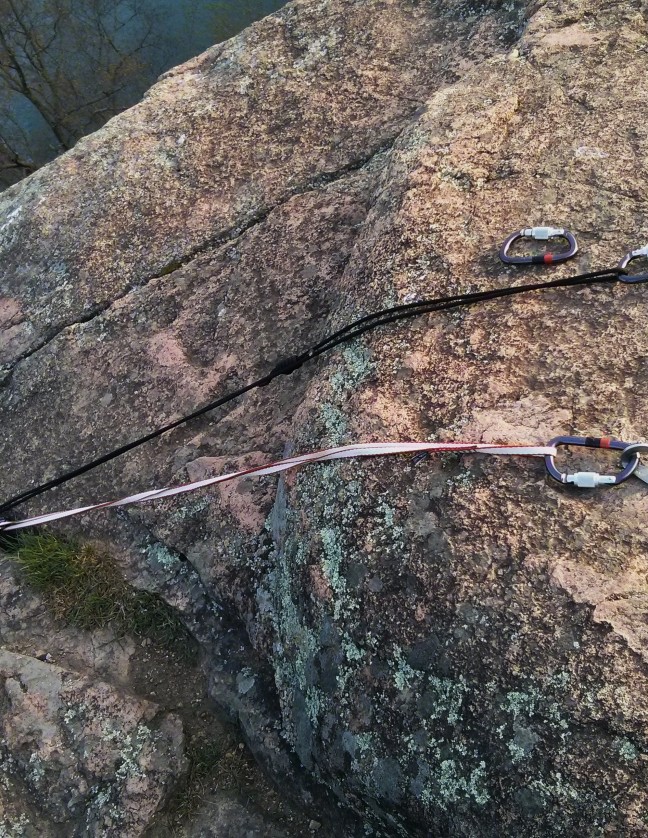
[[288, 365]]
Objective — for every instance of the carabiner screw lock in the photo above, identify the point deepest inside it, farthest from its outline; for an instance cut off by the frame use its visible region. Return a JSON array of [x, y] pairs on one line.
[[539, 234], [592, 479]]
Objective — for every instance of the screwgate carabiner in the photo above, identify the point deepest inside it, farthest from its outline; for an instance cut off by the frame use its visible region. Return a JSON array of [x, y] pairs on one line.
[[539, 234], [592, 479], [634, 254]]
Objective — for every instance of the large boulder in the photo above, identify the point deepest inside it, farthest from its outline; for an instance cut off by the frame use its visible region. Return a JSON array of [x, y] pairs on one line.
[[79, 757], [457, 648]]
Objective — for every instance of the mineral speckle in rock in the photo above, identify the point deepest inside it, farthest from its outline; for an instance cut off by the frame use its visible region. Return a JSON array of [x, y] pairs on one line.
[[452, 649]]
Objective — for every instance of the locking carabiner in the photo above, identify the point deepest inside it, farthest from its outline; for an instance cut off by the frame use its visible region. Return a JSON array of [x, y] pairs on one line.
[[634, 254], [592, 479], [539, 234]]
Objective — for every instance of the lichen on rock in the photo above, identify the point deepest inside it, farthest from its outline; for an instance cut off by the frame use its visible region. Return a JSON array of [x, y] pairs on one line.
[[89, 757], [455, 648]]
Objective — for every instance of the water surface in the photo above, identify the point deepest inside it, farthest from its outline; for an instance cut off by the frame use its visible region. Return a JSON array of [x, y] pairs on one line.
[[180, 29]]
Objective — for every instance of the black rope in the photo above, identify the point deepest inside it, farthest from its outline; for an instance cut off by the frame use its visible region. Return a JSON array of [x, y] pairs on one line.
[[288, 365]]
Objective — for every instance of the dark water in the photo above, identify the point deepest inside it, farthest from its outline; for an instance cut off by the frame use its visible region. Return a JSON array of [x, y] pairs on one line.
[[192, 27], [182, 29]]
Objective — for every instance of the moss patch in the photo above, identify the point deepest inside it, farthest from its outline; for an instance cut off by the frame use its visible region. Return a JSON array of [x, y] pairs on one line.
[[85, 589]]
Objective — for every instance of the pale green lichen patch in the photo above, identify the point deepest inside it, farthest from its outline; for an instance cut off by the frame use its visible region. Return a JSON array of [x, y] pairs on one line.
[[36, 769], [357, 366], [131, 747], [539, 702], [351, 651], [463, 480], [355, 369], [335, 424], [295, 643], [442, 698], [363, 749], [556, 787], [453, 786], [522, 745], [160, 555], [519, 704], [191, 509], [298, 634], [403, 674], [627, 750], [450, 775], [14, 827], [332, 559]]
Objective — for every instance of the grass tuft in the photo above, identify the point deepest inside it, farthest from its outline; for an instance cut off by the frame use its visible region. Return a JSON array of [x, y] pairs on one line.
[[85, 589], [215, 763]]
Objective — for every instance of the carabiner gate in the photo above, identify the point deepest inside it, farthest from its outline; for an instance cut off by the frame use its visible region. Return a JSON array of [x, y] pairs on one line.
[[539, 234], [634, 254]]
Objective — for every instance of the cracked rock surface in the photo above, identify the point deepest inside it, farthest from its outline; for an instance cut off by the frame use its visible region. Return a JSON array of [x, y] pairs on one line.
[[92, 759], [453, 649]]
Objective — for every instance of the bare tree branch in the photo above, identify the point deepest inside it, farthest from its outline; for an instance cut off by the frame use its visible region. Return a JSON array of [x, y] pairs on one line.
[[77, 63]]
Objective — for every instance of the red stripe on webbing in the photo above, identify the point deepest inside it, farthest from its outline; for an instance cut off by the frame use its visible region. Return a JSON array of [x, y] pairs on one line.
[[363, 449], [606, 441], [548, 258]]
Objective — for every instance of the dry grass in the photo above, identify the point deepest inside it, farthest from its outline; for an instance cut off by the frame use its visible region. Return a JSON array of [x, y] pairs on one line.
[[218, 763]]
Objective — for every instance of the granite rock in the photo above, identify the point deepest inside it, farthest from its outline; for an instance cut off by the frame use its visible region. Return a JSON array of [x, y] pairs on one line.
[[452, 649]]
